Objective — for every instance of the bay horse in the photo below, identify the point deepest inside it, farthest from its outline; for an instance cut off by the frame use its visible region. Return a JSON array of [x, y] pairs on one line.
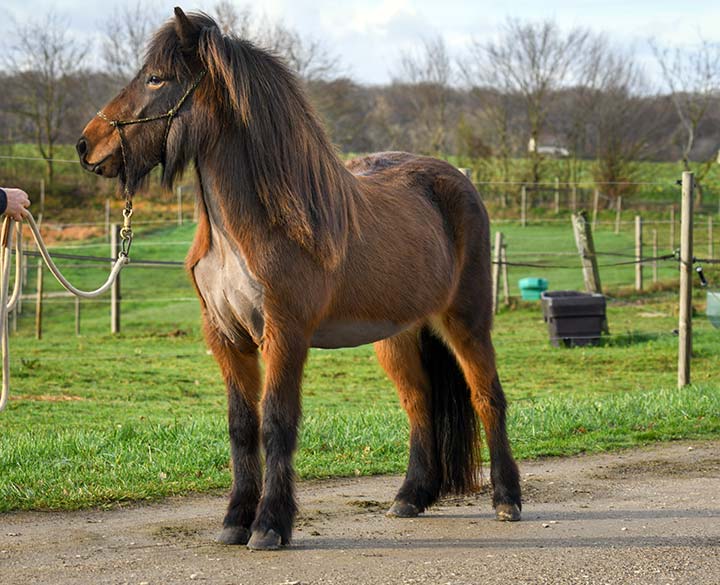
[[294, 249]]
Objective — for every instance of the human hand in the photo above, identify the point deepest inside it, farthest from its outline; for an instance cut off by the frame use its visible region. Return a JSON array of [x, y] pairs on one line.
[[17, 200]]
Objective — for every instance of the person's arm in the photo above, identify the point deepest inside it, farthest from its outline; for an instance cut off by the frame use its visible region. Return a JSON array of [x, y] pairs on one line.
[[12, 202]]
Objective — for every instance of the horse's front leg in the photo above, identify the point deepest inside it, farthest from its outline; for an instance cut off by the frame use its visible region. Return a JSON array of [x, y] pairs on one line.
[[284, 352], [239, 364]]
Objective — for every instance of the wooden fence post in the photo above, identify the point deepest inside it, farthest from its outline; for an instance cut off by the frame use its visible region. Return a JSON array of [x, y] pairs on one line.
[[42, 202], [710, 238], [497, 258], [574, 198], [523, 206], [638, 253], [596, 204], [115, 295], [586, 249], [506, 279], [655, 253], [686, 272], [107, 219], [39, 300], [672, 227], [618, 214], [557, 195]]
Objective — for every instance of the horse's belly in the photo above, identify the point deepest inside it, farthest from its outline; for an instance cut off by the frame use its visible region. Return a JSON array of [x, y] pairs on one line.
[[337, 333]]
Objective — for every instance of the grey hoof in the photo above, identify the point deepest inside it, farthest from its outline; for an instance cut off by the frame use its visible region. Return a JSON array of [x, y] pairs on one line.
[[507, 513], [234, 535], [403, 510], [269, 540]]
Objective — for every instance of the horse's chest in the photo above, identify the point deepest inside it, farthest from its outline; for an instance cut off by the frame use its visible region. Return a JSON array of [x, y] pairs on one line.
[[232, 295]]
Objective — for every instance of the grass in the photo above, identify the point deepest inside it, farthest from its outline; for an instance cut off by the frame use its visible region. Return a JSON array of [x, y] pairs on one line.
[[100, 419]]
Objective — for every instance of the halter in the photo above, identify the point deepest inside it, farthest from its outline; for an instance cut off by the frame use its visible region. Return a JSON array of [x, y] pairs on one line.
[[126, 232]]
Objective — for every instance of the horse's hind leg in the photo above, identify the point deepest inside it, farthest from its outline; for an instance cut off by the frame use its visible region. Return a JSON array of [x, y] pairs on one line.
[[469, 337], [239, 365], [400, 357]]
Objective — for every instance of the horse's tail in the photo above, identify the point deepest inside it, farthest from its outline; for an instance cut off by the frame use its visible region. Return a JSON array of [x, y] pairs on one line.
[[455, 425]]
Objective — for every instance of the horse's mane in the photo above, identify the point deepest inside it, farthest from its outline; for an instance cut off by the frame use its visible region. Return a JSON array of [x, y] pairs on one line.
[[287, 158]]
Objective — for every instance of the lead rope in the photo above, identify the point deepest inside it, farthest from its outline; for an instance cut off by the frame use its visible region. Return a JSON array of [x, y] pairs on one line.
[[5, 260]]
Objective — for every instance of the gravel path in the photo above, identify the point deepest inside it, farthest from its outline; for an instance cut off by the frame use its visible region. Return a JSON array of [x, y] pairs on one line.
[[644, 516]]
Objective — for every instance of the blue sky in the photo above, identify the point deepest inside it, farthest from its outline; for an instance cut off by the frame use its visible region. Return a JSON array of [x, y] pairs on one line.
[[369, 36]]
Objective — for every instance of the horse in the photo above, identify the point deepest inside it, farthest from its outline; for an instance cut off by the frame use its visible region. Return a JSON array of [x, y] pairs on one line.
[[294, 249]]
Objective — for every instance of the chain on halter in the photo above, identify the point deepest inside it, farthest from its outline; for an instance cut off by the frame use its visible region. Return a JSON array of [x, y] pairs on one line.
[[126, 233]]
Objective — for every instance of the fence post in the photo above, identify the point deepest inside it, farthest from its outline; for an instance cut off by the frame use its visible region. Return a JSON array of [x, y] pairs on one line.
[[506, 279], [523, 206], [557, 195], [179, 205], [672, 227], [497, 257], [710, 237], [39, 300], [107, 219], [596, 204], [655, 253], [638, 253], [115, 295], [686, 270], [574, 197], [586, 249], [618, 214], [42, 202]]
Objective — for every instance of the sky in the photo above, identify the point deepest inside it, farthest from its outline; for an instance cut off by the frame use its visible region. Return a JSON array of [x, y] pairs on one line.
[[370, 36]]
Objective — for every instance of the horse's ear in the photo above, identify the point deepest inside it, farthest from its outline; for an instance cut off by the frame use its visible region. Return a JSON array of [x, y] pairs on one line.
[[187, 32]]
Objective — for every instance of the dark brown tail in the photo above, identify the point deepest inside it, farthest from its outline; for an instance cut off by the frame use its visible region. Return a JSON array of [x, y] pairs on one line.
[[455, 425]]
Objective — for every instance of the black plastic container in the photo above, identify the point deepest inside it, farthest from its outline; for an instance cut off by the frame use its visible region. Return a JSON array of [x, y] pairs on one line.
[[573, 318]]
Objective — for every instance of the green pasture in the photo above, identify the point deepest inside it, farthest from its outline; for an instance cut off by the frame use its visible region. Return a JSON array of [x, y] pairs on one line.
[[98, 419]]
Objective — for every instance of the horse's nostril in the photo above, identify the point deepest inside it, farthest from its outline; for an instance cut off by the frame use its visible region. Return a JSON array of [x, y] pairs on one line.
[[82, 146]]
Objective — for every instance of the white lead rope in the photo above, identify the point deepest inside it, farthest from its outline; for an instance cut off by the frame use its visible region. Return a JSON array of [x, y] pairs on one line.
[[7, 305]]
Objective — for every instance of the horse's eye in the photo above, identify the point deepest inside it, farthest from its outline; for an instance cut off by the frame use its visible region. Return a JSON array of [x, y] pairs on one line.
[[155, 81]]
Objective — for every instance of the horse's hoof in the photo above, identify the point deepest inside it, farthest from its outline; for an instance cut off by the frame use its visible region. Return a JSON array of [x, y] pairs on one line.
[[507, 512], [269, 540], [234, 535], [403, 510]]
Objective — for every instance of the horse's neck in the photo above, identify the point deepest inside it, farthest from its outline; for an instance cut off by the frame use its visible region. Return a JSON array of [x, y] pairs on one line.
[[222, 190]]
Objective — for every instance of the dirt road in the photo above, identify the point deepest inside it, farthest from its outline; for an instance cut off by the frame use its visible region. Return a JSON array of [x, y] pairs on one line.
[[645, 516]]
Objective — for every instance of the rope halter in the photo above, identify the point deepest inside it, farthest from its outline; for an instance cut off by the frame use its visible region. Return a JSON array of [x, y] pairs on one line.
[[126, 233]]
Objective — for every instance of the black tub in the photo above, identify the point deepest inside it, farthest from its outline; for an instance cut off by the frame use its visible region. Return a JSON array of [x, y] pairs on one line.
[[573, 318]]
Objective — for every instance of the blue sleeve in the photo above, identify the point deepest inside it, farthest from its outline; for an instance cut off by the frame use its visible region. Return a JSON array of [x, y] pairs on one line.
[[3, 201]]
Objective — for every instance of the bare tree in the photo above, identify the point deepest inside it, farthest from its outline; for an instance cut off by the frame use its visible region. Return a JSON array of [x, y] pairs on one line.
[[692, 77], [618, 128], [532, 60], [126, 34], [44, 65], [495, 100], [427, 73], [232, 20], [306, 56]]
